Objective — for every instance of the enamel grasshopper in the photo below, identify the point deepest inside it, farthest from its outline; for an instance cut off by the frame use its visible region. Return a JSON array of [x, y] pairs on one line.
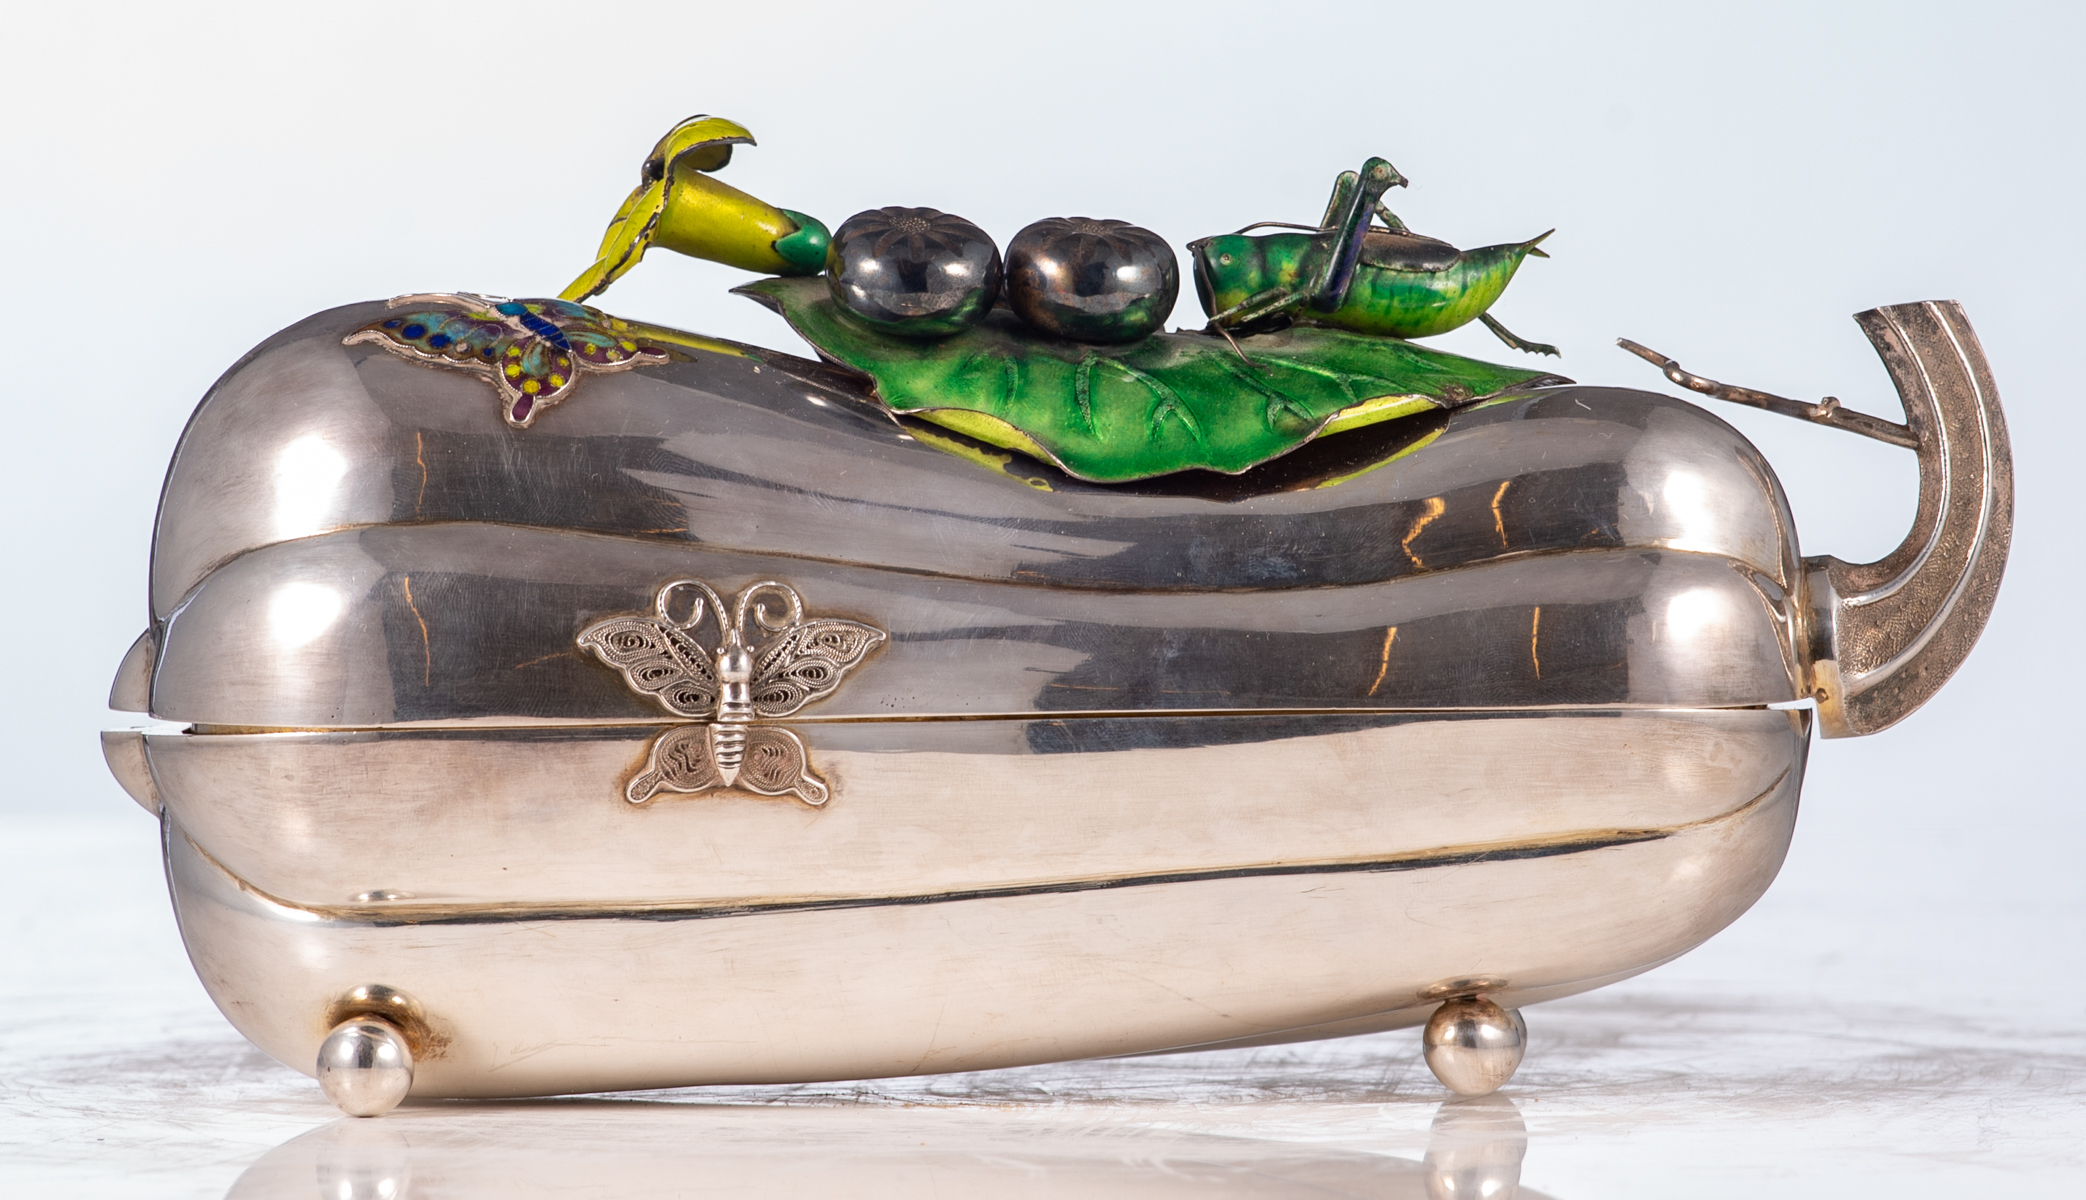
[[1350, 272]]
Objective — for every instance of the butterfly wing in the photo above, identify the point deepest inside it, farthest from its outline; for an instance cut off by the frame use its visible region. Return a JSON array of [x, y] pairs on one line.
[[776, 765], [680, 761], [448, 331], [560, 340], [807, 661], [601, 344], [658, 660], [532, 350]]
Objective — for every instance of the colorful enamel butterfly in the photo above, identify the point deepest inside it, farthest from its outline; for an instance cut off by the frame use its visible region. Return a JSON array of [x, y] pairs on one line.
[[533, 351], [800, 661]]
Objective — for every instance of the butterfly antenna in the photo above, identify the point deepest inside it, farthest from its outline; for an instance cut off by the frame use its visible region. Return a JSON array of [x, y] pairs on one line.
[[706, 600], [748, 601]]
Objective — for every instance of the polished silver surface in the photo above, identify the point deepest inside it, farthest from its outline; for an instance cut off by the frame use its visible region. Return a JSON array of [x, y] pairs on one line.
[[461, 818], [1090, 770], [1818, 1039], [365, 1066], [1886, 635], [548, 999], [459, 623], [124, 751], [1473, 1045], [729, 455], [131, 690], [380, 553], [1882, 637]]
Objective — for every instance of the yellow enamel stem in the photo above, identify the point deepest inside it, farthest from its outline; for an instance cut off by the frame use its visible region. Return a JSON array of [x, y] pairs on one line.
[[706, 218], [623, 246], [698, 144]]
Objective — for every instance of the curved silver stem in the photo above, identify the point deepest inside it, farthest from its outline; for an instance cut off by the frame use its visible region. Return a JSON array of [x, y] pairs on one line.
[[1825, 412], [1884, 636]]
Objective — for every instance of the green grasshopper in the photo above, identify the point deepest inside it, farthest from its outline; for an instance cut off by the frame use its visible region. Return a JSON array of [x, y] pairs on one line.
[[1350, 273]]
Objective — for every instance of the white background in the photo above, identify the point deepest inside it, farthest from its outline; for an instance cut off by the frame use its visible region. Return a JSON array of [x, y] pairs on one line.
[[1728, 183]]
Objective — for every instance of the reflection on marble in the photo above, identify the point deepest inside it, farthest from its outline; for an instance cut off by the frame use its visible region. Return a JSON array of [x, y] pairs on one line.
[[1474, 1150], [1816, 1048], [636, 1150]]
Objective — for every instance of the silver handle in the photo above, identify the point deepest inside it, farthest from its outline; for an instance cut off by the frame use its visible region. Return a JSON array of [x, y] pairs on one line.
[[1884, 636]]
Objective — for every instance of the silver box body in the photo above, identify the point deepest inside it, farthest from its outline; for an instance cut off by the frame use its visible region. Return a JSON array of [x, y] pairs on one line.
[[1207, 761]]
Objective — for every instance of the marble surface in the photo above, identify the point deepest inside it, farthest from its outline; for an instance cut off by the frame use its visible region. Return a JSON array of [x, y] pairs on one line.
[[1811, 1049]]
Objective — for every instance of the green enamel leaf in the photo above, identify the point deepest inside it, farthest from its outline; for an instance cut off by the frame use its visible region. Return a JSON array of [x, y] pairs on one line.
[[1173, 401]]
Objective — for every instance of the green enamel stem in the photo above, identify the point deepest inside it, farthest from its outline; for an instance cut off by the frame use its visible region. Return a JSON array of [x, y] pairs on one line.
[[805, 250]]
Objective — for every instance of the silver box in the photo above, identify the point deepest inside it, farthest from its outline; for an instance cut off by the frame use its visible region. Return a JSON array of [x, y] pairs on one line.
[[1208, 761]]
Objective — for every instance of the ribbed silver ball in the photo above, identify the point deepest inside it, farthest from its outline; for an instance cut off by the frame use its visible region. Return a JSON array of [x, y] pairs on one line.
[[1091, 281], [913, 272]]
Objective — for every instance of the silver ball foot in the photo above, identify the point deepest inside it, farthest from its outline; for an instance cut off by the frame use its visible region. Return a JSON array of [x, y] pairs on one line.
[[1474, 1046], [365, 1066]]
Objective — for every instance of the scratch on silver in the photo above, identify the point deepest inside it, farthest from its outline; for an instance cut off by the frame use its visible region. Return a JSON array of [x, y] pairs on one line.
[[767, 664]]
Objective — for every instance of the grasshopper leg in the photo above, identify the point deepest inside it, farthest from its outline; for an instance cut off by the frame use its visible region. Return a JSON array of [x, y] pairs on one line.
[[1226, 334], [1512, 339]]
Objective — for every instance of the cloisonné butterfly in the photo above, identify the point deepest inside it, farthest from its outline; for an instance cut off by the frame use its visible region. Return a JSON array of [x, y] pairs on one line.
[[798, 662], [533, 351]]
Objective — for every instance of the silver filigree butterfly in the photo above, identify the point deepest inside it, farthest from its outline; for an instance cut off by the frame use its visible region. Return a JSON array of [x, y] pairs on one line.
[[768, 663]]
